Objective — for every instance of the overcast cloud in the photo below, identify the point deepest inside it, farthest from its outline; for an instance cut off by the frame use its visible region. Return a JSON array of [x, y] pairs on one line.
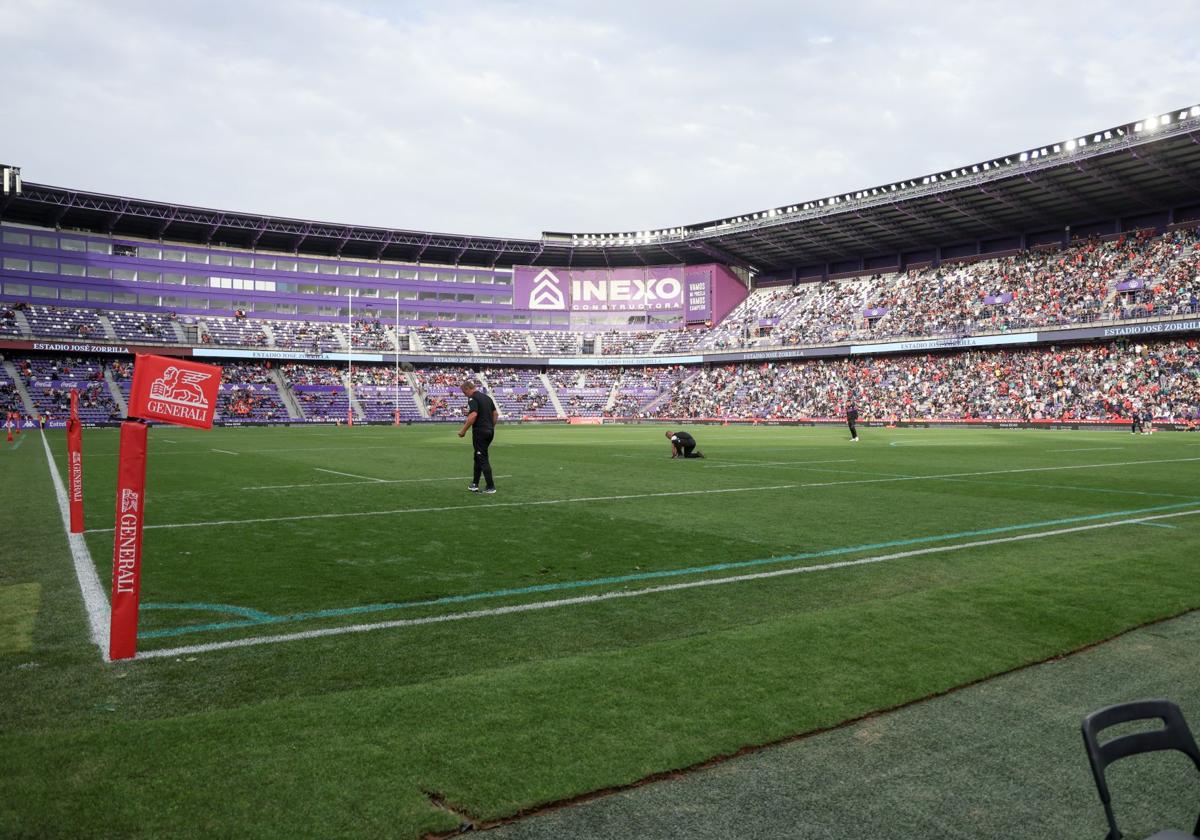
[[514, 118]]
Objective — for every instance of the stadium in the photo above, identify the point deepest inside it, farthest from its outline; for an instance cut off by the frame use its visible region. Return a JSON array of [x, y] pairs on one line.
[[790, 637]]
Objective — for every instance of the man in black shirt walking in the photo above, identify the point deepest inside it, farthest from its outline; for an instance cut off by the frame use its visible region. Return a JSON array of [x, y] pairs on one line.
[[852, 421], [481, 420], [683, 445]]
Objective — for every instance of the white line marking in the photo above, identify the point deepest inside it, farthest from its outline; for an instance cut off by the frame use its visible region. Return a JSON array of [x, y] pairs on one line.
[[636, 593], [304, 517], [94, 599], [369, 481], [731, 464], [1089, 449], [1158, 524], [225, 451], [348, 475]]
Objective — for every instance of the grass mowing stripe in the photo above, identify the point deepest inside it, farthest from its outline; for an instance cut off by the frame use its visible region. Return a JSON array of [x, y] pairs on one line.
[[397, 511], [609, 596], [94, 599], [628, 496], [259, 617]]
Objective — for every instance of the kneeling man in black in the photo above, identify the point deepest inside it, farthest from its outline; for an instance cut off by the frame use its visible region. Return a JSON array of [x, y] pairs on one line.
[[683, 445]]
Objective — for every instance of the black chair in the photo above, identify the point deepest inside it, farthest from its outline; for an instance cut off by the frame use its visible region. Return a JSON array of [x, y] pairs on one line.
[[1174, 735]]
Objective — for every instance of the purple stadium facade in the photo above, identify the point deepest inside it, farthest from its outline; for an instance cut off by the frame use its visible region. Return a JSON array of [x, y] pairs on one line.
[[1092, 239]]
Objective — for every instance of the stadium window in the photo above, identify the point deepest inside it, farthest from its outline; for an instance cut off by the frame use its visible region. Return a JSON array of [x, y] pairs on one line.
[[485, 279], [466, 278], [173, 279], [148, 276], [406, 274], [502, 318], [482, 318], [13, 238], [427, 316], [243, 262], [99, 297], [368, 272], [502, 280], [264, 285], [72, 245], [327, 290], [307, 289], [220, 259], [306, 268], [45, 242], [287, 288], [427, 296], [286, 308], [124, 274], [285, 265], [215, 282], [427, 276], [263, 263], [14, 264], [389, 273], [99, 248], [464, 297], [71, 294], [520, 319], [326, 268], [348, 270], [150, 300], [504, 299], [197, 257], [147, 253], [124, 297], [371, 293], [202, 303], [306, 309], [48, 292], [407, 294], [102, 273], [42, 267], [120, 250], [177, 302], [407, 315], [71, 270], [173, 256], [542, 318], [445, 296]]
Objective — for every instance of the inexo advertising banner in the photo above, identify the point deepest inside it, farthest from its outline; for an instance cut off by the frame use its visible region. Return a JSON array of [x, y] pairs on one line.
[[598, 290]]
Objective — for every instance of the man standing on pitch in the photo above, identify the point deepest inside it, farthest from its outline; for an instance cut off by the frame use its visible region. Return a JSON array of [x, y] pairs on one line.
[[481, 420], [852, 421]]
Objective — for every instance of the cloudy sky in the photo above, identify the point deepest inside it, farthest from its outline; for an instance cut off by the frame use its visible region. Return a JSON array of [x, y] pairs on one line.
[[515, 118]]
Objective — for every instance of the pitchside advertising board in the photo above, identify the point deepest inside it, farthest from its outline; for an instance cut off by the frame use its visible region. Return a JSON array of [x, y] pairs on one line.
[[171, 391]]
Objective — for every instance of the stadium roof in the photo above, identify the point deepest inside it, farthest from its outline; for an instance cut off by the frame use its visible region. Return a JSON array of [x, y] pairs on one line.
[[1132, 170]]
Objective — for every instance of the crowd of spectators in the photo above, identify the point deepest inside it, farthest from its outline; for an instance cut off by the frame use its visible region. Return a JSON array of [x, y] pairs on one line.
[[1099, 382]]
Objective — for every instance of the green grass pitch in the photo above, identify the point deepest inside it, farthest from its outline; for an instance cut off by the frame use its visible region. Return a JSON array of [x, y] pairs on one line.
[[479, 692]]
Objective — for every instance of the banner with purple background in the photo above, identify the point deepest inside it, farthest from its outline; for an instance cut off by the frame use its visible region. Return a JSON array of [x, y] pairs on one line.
[[660, 288]]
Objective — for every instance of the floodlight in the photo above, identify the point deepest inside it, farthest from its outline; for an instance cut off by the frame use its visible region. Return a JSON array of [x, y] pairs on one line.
[[1195, 111], [1151, 122], [1070, 145], [1024, 157], [1165, 119]]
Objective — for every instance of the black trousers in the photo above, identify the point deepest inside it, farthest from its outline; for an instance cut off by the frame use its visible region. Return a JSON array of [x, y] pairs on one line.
[[687, 451], [480, 441], [853, 424]]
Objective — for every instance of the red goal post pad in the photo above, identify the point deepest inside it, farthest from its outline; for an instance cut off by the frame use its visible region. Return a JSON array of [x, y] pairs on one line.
[[174, 391]]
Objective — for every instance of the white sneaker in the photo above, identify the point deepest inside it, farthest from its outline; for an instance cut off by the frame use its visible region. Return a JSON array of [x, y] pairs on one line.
[[474, 488], [489, 490]]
